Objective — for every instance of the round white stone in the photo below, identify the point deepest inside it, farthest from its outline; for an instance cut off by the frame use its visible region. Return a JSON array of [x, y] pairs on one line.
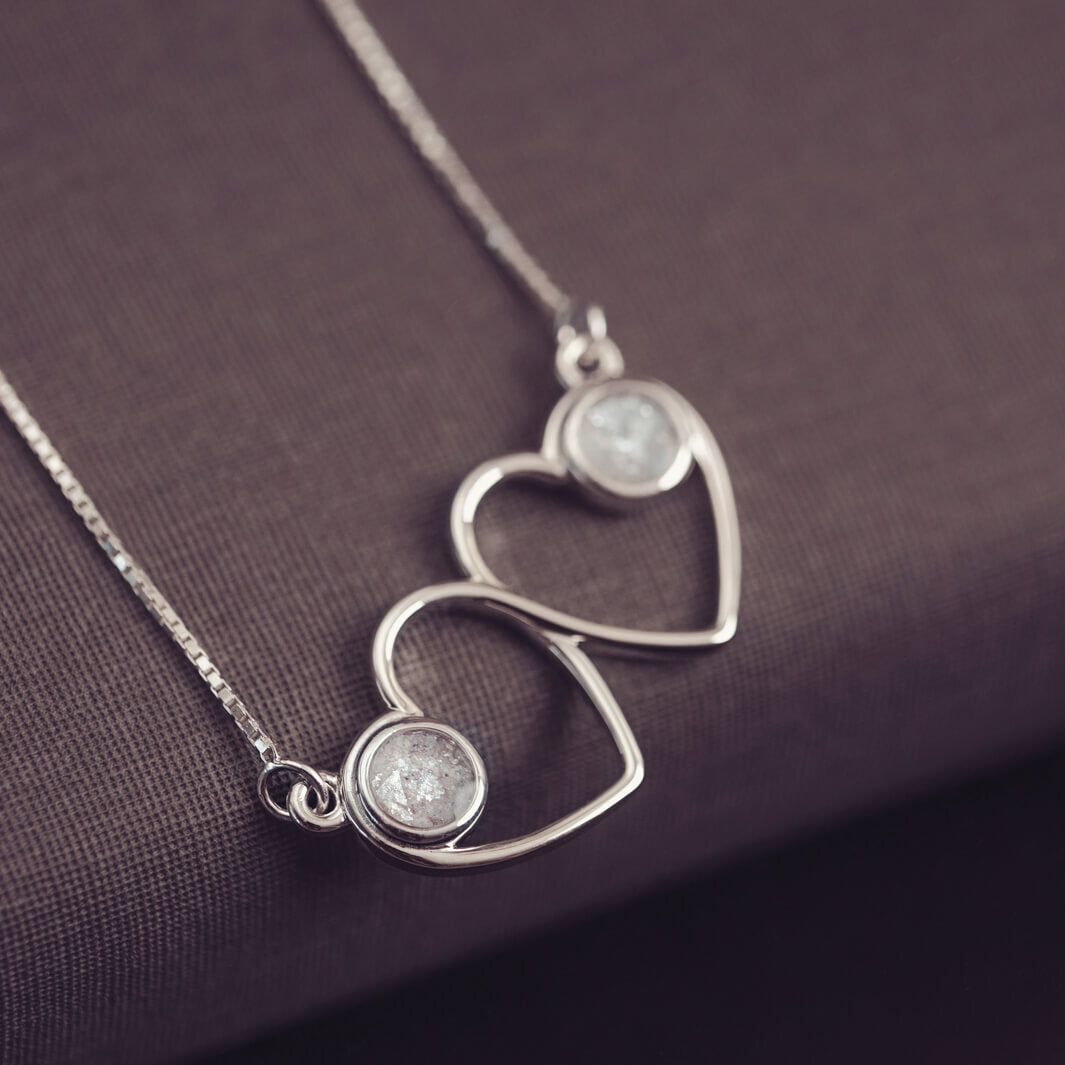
[[422, 778], [627, 437]]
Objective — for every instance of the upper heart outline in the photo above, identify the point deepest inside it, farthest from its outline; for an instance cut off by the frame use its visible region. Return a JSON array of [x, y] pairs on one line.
[[557, 462]]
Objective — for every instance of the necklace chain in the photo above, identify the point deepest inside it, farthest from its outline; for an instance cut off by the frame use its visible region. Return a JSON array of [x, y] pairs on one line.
[[140, 583], [369, 51], [436, 152]]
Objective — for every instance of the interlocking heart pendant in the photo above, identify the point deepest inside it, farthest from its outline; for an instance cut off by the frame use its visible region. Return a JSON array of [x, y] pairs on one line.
[[621, 440], [414, 786]]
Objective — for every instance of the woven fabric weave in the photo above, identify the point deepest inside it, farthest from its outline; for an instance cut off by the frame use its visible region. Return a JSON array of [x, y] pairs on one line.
[[270, 351]]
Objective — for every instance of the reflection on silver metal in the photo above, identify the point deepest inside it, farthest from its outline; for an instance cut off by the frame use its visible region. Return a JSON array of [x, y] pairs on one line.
[[321, 801], [311, 797], [467, 800], [560, 461], [674, 440], [312, 813], [660, 438], [619, 439], [442, 850], [584, 353]]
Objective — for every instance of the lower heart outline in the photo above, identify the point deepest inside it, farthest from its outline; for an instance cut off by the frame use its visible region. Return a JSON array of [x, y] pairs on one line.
[[443, 851]]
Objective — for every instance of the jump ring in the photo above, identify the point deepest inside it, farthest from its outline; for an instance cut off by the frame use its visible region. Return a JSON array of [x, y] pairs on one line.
[[582, 359], [307, 816], [306, 774]]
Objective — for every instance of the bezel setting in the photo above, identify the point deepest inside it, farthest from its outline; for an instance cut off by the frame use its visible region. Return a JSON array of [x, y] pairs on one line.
[[359, 764], [441, 848], [553, 464], [583, 468]]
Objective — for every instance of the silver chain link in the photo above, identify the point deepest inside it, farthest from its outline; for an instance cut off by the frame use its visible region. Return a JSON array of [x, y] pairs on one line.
[[432, 146], [141, 584], [403, 103]]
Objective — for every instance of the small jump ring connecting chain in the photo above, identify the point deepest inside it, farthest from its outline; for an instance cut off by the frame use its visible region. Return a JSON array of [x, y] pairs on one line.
[[584, 352], [323, 785], [312, 800]]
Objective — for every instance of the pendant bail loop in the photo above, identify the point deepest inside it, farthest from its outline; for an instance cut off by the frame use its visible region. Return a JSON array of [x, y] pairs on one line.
[[585, 354]]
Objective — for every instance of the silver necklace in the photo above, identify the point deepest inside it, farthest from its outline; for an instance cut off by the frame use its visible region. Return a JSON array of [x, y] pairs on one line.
[[411, 785]]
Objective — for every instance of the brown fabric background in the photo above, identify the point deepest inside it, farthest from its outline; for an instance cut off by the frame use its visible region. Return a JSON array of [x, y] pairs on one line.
[[271, 352], [930, 933]]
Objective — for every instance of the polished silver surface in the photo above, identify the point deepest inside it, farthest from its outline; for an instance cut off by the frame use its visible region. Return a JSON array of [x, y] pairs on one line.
[[312, 813], [584, 353], [585, 356], [310, 799], [554, 464], [591, 368], [448, 854], [451, 830]]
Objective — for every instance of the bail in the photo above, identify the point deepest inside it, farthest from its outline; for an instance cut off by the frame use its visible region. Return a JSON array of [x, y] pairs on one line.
[[585, 354]]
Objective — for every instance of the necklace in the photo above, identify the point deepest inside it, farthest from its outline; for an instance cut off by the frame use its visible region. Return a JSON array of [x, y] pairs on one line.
[[411, 785]]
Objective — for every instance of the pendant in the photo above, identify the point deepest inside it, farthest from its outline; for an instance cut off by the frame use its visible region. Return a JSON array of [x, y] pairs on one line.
[[413, 785], [618, 440]]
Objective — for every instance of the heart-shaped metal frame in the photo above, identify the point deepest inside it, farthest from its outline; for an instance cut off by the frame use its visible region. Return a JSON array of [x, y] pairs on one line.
[[446, 853], [558, 463]]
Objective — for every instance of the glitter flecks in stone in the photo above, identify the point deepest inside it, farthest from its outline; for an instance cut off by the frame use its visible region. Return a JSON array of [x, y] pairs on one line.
[[422, 778], [628, 438]]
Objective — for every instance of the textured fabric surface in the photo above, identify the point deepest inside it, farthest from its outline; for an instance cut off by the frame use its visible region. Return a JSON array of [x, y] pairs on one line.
[[271, 353], [931, 934]]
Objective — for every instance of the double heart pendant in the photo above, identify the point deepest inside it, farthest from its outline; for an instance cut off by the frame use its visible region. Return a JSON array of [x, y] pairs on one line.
[[414, 786]]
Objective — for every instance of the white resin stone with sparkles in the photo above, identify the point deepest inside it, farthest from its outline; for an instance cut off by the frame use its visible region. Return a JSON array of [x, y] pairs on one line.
[[422, 778], [627, 437]]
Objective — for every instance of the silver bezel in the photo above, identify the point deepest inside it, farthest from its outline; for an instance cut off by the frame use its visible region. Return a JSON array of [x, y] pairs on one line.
[[363, 759], [448, 854], [550, 466], [665, 399]]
